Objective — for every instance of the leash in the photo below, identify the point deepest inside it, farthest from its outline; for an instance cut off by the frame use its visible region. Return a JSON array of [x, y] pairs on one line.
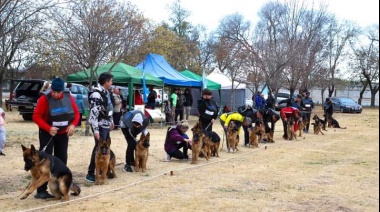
[[43, 149], [207, 126]]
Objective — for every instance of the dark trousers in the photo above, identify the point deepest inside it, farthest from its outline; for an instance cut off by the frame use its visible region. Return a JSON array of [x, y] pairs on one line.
[[206, 124], [285, 124], [178, 154], [104, 134], [116, 119], [178, 112], [58, 143], [306, 115], [246, 134], [131, 146], [168, 119]]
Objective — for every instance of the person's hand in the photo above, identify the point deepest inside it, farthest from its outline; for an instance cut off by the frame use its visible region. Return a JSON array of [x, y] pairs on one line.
[[70, 130], [212, 121], [112, 126], [225, 127], [53, 131], [97, 136]]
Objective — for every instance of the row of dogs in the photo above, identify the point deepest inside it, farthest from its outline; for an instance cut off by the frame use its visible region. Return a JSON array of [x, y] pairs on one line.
[[44, 167]]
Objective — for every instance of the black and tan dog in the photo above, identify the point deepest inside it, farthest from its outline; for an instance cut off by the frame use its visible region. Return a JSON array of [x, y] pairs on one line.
[[256, 133], [141, 152], [317, 125], [212, 139], [290, 130], [331, 122], [232, 137], [105, 161], [198, 146], [47, 168]]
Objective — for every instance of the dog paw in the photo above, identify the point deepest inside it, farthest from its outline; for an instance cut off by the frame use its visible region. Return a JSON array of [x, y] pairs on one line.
[[24, 197]]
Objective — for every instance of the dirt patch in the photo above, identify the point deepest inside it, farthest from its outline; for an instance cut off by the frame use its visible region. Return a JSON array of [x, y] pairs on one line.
[[338, 171]]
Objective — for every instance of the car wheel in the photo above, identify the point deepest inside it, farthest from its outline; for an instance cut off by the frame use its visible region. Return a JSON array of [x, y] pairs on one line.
[[341, 110], [27, 117]]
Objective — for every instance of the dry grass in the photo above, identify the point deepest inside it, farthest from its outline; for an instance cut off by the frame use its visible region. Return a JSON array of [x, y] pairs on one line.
[[338, 171]]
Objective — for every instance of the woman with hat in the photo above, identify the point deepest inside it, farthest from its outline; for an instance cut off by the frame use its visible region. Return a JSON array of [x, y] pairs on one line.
[[208, 110], [56, 115]]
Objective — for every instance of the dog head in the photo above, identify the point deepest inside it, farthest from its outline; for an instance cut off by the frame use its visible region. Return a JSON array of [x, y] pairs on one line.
[[31, 157], [197, 132], [315, 117], [232, 127], [104, 145], [144, 140]]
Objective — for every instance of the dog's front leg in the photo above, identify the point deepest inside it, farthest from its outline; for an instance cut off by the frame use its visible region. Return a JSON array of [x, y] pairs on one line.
[[35, 184]]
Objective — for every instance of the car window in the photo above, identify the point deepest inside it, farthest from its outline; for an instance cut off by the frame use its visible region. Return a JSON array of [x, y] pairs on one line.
[[29, 86]]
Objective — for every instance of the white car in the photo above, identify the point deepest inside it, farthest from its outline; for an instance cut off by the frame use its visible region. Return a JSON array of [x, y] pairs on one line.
[[159, 99]]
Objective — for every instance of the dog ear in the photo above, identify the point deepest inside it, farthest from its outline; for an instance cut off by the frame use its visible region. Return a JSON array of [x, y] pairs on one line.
[[32, 148], [23, 148]]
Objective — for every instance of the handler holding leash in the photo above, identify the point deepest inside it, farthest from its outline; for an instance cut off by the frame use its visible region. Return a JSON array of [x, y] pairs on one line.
[[56, 115], [307, 106], [239, 119], [208, 110], [132, 123]]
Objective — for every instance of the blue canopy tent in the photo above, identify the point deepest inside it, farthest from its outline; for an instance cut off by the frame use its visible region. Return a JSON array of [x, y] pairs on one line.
[[157, 66]]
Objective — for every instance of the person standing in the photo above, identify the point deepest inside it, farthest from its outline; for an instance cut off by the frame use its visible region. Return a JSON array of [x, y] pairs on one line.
[[270, 102], [179, 106], [152, 98], [307, 106], [133, 123], [328, 107], [100, 120], [168, 113], [173, 104], [138, 98], [81, 108], [2, 131], [247, 111], [117, 104], [208, 110], [258, 100], [56, 116], [187, 105]]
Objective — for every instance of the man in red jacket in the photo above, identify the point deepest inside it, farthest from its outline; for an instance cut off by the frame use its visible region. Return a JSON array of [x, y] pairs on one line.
[[56, 115], [286, 113]]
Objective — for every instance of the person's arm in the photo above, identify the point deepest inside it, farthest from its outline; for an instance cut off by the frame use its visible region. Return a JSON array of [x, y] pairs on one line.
[[40, 114]]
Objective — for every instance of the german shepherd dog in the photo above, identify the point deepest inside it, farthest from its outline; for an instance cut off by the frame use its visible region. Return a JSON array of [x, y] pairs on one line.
[[256, 133], [105, 161], [317, 125], [141, 152], [47, 168], [232, 137], [290, 131], [301, 125], [331, 122], [213, 140], [198, 144]]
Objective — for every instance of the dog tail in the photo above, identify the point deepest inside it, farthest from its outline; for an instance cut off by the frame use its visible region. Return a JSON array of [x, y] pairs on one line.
[[75, 189]]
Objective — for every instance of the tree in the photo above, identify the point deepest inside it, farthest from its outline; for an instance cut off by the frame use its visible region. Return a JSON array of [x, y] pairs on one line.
[[365, 61], [20, 22]]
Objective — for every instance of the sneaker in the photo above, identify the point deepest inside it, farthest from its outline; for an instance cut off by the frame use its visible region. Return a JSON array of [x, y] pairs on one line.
[[128, 168], [43, 195], [168, 158], [90, 178], [246, 145]]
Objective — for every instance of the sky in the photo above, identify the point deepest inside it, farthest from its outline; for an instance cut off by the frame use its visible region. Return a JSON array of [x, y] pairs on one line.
[[210, 12]]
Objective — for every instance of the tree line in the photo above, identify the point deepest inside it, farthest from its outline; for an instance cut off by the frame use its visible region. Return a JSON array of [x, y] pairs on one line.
[[294, 45]]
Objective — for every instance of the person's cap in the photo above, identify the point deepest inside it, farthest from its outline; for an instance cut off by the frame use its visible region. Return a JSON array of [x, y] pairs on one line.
[[206, 91], [57, 85], [138, 119]]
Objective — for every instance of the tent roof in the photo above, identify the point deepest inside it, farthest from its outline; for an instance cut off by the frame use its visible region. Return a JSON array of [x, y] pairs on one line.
[[210, 84], [122, 74], [219, 77], [157, 66]]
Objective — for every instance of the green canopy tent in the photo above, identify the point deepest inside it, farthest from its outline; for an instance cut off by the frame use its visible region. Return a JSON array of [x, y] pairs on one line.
[[196, 92], [123, 75]]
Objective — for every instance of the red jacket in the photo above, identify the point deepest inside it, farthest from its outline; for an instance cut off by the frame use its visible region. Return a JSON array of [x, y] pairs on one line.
[[287, 112], [138, 99], [40, 116]]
